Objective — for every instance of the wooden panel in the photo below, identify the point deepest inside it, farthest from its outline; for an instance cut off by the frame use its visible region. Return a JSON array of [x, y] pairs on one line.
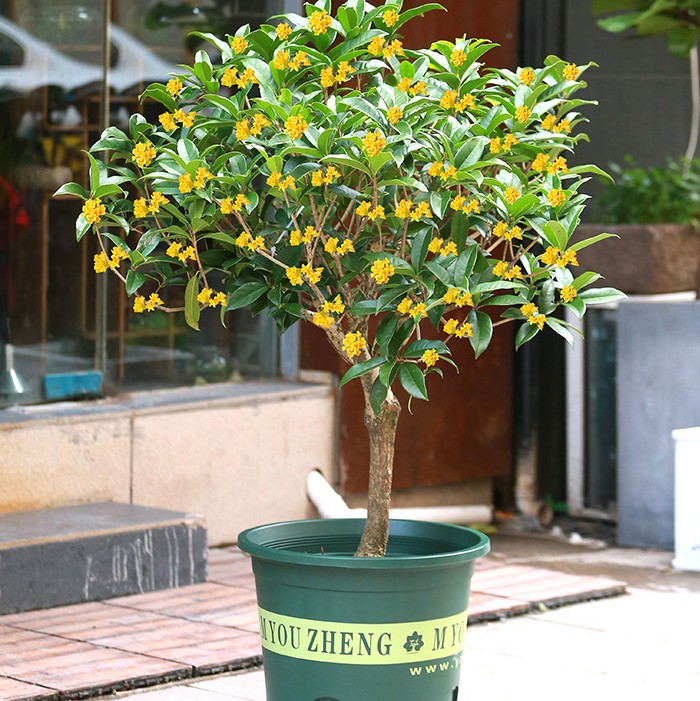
[[465, 432]]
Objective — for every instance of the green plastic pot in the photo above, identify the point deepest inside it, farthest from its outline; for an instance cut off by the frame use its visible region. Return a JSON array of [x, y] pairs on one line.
[[340, 628]]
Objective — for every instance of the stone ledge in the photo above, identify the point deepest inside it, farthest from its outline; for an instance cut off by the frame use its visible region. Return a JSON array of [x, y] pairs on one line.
[[92, 552]]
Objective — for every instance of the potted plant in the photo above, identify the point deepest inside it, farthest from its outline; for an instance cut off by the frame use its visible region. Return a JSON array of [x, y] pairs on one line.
[[663, 197], [317, 170], [654, 212]]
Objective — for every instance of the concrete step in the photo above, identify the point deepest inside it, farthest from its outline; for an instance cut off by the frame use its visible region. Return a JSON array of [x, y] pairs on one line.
[[92, 552]]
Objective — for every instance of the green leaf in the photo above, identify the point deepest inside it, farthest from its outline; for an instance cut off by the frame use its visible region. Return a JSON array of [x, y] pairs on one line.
[[417, 348], [419, 248], [482, 330], [465, 265], [377, 396], [72, 190], [555, 234], [82, 226], [593, 239], [601, 295], [340, 159], [439, 272], [107, 190], [134, 280], [148, 243], [361, 369], [246, 294], [385, 332], [192, 308], [525, 333], [413, 381], [561, 329]]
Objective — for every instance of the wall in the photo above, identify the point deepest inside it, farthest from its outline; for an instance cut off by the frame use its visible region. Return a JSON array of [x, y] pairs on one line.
[[237, 455]]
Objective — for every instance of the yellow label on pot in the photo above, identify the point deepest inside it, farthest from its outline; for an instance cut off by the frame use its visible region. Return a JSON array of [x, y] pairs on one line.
[[362, 643]]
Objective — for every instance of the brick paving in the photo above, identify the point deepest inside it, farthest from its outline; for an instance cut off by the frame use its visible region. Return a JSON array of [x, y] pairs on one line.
[[86, 650]]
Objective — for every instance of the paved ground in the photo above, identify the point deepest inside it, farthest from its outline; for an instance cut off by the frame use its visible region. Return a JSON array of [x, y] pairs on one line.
[[641, 645], [184, 634]]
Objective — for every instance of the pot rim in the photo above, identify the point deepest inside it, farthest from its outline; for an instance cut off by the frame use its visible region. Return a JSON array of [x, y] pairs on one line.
[[272, 542]]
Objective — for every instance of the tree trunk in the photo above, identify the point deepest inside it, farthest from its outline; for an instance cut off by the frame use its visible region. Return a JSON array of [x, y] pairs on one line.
[[382, 436]]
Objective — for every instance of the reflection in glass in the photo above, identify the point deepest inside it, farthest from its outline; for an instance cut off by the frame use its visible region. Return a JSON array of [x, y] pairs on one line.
[[51, 77]]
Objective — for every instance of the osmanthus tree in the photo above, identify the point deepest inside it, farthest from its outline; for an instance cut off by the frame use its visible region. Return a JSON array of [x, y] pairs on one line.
[[316, 169]]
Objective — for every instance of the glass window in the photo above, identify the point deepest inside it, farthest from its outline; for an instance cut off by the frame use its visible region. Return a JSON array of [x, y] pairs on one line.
[[56, 315]]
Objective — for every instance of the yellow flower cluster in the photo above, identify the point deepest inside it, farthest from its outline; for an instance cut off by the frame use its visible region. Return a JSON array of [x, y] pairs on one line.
[[374, 142], [449, 101], [318, 178], [549, 123], [394, 115], [283, 30], [442, 171], [143, 153], [458, 57], [459, 204], [501, 230], [245, 240], [497, 146], [169, 120], [430, 357], [568, 293], [365, 210], [239, 44], [407, 306], [319, 22], [296, 275], [142, 305], [231, 78], [142, 206], [556, 197], [438, 245], [407, 209], [379, 47], [245, 128], [187, 184], [295, 126], [541, 163], [283, 60], [522, 113], [324, 318], [381, 270], [93, 210], [458, 297], [329, 78], [283, 183], [174, 87], [532, 313], [504, 270], [175, 250], [571, 71], [334, 246], [526, 76], [390, 17], [102, 263], [207, 296], [512, 194], [555, 256], [353, 343], [296, 238], [228, 205], [455, 327], [406, 85]]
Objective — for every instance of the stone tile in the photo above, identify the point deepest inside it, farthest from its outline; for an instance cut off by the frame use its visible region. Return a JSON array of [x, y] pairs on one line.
[[245, 685], [14, 690]]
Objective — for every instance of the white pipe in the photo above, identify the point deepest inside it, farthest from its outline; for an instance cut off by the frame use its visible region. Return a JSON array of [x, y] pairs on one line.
[[330, 504]]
